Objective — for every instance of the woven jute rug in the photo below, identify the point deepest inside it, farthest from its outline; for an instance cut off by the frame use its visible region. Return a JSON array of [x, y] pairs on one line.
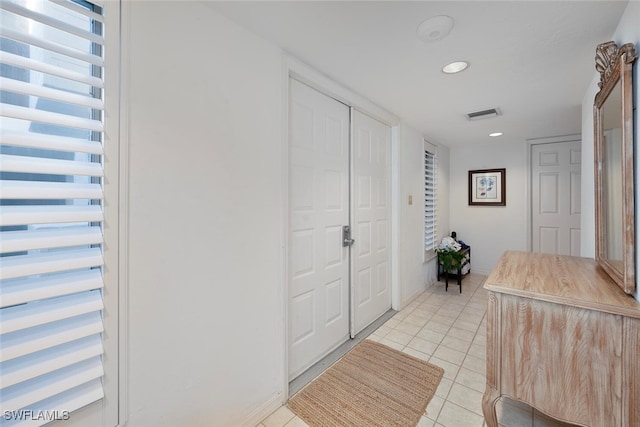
[[372, 385]]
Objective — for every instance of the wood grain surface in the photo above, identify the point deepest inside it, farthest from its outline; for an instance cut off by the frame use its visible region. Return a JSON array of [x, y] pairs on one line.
[[563, 338], [561, 279], [564, 361]]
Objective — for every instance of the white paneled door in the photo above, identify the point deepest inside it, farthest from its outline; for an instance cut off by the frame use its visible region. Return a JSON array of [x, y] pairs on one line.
[[318, 209], [321, 309], [371, 269], [556, 173]]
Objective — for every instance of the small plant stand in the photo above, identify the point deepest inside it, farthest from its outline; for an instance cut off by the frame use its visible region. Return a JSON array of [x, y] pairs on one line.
[[458, 275]]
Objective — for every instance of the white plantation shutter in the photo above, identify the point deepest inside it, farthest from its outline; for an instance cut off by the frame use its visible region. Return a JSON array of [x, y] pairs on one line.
[[51, 208], [430, 198]]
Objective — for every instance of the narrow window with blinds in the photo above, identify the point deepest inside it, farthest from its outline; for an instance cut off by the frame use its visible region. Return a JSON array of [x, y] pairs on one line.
[[430, 201], [51, 209]]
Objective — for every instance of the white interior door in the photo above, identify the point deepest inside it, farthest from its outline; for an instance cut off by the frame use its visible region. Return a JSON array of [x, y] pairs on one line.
[[318, 209], [556, 174], [371, 225]]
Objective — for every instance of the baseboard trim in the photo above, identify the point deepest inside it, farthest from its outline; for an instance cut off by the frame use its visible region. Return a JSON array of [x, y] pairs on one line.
[[263, 411], [412, 297]]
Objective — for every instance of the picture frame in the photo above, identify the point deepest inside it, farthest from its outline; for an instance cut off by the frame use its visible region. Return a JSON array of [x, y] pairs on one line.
[[488, 187]]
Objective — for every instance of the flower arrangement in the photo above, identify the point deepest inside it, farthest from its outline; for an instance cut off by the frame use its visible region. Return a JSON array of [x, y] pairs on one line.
[[449, 254]]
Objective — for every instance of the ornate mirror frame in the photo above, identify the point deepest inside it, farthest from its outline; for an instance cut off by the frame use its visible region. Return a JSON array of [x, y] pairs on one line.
[[614, 160]]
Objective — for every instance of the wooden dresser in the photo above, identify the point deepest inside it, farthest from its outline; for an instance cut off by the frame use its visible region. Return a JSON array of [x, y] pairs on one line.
[[564, 339]]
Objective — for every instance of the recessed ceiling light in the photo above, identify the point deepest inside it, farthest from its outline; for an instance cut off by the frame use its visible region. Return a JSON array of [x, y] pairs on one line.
[[435, 28], [496, 134], [455, 67]]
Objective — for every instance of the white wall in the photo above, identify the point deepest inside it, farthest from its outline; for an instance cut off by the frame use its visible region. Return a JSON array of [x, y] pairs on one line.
[[628, 31], [411, 182], [415, 273], [588, 206], [490, 230], [205, 300]]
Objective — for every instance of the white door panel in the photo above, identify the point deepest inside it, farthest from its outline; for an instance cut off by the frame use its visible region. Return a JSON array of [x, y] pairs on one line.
[[318, 208], [329, 298], [556, 174], [371, 252]]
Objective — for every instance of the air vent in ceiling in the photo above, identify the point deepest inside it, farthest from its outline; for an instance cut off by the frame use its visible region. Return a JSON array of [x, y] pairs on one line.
[[483, 114]]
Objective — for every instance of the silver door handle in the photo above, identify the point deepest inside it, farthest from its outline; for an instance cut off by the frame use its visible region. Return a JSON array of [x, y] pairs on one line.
[[346, 236]]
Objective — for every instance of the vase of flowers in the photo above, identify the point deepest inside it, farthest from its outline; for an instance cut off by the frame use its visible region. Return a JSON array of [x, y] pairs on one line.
[[449, 255]]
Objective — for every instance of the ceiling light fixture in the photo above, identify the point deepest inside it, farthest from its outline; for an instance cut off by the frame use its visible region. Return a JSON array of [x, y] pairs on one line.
[[496, 134], [435, 28], [455, 67]]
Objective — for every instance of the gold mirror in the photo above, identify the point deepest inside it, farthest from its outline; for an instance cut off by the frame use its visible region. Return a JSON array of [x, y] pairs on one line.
[[613, 135]]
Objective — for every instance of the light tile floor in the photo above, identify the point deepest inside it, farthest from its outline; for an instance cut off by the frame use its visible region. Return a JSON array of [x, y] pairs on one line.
[[447, 329]]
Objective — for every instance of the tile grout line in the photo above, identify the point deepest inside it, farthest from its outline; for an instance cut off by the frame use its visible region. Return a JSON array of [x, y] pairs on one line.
[[453, 381], [445, 334]]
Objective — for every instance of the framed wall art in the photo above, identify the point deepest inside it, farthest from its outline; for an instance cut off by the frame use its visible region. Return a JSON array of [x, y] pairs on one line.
[[488, 187]]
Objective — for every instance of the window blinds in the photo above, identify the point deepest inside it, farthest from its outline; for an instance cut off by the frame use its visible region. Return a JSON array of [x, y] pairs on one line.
[[430, 201], [51, 209]]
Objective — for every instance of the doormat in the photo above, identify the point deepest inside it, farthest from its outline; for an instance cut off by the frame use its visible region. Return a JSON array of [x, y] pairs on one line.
[[372, 385]]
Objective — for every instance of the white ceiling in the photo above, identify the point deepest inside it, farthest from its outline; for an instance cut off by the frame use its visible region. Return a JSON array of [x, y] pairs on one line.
[[533, 60]]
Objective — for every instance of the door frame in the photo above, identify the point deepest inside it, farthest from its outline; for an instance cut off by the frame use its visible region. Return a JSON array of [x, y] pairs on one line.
[[529, 197], [294, 68]]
